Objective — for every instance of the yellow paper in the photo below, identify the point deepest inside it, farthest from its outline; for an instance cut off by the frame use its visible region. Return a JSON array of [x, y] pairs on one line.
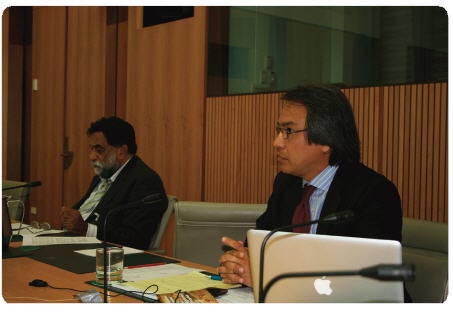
[[188, 282]]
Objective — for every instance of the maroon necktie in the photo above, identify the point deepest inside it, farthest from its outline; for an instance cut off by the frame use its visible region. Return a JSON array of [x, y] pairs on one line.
[[302, 211]]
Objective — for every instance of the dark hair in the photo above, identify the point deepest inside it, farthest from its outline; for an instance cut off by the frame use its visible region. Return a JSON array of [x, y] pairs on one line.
[[330, 120], [117, 132]]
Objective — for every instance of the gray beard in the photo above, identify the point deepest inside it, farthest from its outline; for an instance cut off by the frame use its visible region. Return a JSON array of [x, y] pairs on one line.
[[108, 172], [108, 168]]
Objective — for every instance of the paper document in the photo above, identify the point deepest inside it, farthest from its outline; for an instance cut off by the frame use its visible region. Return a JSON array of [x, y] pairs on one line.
[[26, 229], [187, 282], [153, 272], [49, 240], [237, 295], [137, 280], [92, 251]]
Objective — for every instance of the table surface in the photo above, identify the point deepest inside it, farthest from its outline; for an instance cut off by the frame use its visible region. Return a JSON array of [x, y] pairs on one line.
[[18, 272]]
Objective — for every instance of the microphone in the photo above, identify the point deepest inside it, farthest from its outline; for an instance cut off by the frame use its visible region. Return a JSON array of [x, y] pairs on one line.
[[333, 218], [147, 200], [383, 272], [386, 272], [30, 184]]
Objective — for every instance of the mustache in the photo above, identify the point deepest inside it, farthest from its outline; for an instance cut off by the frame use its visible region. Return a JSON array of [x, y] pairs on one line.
[[97, 164]]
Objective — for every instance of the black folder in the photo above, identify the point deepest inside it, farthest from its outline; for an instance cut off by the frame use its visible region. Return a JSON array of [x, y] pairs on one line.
[[64, 256]]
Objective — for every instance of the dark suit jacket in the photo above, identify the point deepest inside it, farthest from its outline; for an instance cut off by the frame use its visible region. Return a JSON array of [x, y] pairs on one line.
[[132, 227], [372, 197], [374, 200]]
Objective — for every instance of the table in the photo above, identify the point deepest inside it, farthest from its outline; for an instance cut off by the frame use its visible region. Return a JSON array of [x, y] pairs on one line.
[[18, 272]]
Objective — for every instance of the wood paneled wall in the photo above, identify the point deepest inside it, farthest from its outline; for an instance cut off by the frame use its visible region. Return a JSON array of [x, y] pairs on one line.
[[13, 56], [47, 111], [240, 162], [166, 78], [95, 61], [5, 88], [85, 91], [406, 139], [403, 133], [213, 149]]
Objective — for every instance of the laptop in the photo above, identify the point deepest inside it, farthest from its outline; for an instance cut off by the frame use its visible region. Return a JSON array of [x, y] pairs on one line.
[[293, 252]]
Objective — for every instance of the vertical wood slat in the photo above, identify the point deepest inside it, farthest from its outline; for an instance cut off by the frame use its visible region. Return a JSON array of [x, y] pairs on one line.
[[402, 129], [443, 179]]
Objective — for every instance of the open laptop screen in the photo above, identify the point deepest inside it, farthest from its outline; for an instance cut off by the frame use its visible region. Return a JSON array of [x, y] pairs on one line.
[[293, 252]]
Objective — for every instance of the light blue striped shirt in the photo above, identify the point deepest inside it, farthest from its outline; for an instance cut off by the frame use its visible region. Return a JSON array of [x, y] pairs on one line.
[[322, 183]]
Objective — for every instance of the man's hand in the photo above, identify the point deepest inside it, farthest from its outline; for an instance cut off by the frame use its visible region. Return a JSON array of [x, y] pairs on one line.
[[234, 264], [71, 220]]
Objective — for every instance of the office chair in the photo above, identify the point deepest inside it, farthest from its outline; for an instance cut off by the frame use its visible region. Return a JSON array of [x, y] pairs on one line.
[[157, 237]]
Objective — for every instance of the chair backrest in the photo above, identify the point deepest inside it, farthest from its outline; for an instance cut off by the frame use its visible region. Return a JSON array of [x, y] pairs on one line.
[[157, 237], [199, 227], [18, 198], [425, 244]]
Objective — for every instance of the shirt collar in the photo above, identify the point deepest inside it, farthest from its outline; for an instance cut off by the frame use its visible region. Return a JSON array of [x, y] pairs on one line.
[[324, 179], [115, 175]]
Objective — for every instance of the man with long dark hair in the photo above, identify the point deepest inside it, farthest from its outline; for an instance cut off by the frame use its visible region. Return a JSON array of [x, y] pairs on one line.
[[318, 154]]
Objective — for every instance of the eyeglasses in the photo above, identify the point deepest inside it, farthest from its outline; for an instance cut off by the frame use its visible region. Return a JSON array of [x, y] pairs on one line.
[[40, 226], [286, 131]]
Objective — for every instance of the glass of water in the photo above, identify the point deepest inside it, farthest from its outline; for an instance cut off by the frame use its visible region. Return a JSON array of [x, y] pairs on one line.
[[115, 264]]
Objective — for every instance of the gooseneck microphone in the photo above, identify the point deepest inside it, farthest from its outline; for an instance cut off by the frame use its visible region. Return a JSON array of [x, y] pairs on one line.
[[337, 217], [30, 184], [148, 200], [21, 203], [383, 272]]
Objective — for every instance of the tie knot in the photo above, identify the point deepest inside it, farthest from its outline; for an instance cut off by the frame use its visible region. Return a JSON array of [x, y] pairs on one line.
[[104, 185], [307, 190]]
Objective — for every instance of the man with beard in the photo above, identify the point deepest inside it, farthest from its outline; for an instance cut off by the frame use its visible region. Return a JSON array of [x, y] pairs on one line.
[[121, 178]]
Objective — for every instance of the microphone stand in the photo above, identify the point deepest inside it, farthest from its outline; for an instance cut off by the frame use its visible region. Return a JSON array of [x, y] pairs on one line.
[[104, 250], [148, 200], [333, 218], [383, 272]]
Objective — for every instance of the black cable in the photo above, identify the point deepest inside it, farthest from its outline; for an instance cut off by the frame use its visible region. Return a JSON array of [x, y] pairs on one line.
[[45, 284], [124, 292], [65, 288], [144, 291], [177, 295]]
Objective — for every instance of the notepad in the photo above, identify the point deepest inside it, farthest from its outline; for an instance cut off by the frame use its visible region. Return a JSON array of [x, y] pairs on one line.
[[191, 281]]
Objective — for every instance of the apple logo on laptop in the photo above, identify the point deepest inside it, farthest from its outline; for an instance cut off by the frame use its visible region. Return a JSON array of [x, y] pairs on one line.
[[322, 286]]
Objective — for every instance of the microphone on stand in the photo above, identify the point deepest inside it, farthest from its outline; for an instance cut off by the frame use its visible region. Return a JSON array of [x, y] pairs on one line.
[[30, 184], [148, 200], [333, 218], [383, 272]]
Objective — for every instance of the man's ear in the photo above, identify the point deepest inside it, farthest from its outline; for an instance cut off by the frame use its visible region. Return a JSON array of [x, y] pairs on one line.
[[325, 149], [123, 152]]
